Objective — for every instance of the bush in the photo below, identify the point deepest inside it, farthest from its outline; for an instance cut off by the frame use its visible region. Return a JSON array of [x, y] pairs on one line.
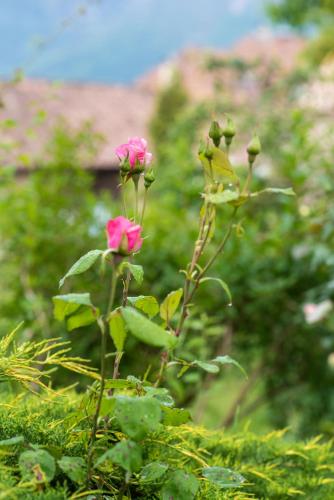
[[282, 262], [273, 466], [46, 220]]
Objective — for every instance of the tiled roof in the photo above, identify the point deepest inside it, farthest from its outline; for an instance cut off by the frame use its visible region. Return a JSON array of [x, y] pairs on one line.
[[118, 112], [270, 56]]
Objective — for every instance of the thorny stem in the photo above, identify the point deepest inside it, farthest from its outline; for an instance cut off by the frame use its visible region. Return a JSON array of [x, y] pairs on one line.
[[249, 179], [164, 361], [196, 254], [198, 249], [188, 295], [103, 328], [135, 182], [189, 291], [221, 246], [126, 285], [144, 207], [126, 282], [122, 186], [116, 365], [112, 289], [229, 418]]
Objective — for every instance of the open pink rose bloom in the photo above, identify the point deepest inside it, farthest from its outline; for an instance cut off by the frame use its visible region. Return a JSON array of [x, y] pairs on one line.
[[123, 235], [136, 152]]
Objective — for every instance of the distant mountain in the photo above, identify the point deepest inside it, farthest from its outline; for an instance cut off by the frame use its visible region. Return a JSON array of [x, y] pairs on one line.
[[114, 40]]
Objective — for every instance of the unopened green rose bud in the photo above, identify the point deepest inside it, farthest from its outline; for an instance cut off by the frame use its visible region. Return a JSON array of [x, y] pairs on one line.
[[125, 169], [229, 131], [253, 148], [149, 178], [215, 133], [138, 169]]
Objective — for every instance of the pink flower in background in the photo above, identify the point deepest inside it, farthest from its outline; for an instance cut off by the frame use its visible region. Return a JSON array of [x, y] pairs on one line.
[[123, 235], [317, 312], [136, 151]]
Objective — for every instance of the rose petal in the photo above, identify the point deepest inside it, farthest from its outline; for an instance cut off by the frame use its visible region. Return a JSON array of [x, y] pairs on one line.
[[134, 239], [116, 228]]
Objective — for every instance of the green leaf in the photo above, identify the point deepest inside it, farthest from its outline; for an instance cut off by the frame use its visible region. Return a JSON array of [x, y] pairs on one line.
[[85, 316], [161, 394], [82, 265], [65, 305], [175, 416], [222, 477], [222, 283], [107, 406], [118, 383], [37, 465], [117, 329], [240, 200], [74, 467], [136, 271], [12, 441], [170, 304], [180, 486], [227, 360], [147, 331], [224, 197], [76, 308], [135, 381], [148, 304], [126, 454], [286, 191], [153, 472], [183, 370], [137, 416], [220, 165], [208, 367]]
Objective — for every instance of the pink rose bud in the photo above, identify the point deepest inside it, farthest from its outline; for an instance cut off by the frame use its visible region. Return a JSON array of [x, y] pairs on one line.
[[135, 151], [124, 237]]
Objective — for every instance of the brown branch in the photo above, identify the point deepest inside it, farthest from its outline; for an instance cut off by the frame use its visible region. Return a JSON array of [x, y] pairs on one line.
[[228, 420]]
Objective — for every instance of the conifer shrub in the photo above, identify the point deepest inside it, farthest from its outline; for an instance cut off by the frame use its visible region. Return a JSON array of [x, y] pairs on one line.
[[272, 465]]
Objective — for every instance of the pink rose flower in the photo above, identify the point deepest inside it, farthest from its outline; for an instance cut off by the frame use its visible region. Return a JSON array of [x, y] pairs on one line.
[[136, 152], [123, 236]]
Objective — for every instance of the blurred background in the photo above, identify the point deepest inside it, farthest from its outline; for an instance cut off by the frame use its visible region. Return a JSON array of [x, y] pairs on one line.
[[79, 78]]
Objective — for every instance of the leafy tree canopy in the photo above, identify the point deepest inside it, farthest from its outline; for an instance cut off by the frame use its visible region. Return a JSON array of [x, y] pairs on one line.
[[301, 12]]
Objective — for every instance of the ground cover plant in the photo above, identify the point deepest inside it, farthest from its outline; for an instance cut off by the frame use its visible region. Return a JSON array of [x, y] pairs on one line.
[[125, 436], [273, 467]]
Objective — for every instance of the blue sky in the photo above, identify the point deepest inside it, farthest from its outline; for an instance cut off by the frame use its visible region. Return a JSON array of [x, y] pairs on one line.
[[115, 40]]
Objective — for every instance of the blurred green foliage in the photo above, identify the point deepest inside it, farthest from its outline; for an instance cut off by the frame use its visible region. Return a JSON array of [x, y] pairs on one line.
[[321, 47], [303, 14], [283, 261], [300, 12], [48, 217], [170, 103]]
